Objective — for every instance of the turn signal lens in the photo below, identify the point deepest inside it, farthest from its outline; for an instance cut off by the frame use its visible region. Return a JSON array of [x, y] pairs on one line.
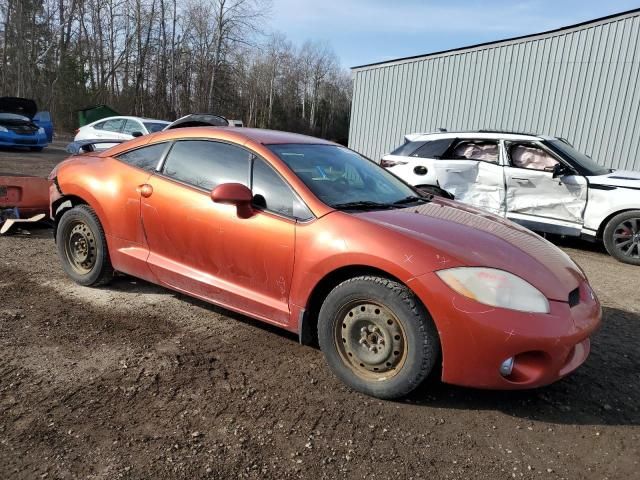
[[496, 288]]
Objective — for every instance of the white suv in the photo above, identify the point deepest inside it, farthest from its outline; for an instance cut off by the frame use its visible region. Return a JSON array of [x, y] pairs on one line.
[[540, 182]]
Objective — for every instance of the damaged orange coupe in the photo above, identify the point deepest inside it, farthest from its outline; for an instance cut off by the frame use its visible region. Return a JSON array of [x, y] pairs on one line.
[[310, 236]]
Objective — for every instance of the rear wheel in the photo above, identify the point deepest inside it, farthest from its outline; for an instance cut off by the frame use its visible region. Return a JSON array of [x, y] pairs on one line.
[[377, 337], [37, 149], [622, 237], [82, 247]]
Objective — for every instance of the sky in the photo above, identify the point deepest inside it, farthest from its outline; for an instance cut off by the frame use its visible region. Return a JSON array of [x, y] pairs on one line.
[[367, 31]]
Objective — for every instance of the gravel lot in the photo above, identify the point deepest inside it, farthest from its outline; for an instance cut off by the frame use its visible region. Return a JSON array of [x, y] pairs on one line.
[[135, 381]]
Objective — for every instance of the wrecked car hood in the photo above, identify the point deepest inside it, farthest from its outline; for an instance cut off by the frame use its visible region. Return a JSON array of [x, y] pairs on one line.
[[478, 238], [19, 106], [617, 178]]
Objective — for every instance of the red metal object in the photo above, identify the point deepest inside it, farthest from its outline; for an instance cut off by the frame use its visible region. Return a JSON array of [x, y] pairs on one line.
[[268, 266], [29, 194]]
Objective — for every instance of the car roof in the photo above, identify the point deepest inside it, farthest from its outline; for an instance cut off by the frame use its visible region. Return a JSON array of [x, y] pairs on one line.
[[231, 134], [484, 134]]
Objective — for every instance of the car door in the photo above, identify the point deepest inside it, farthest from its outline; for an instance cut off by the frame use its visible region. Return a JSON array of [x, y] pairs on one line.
[[538, 200], [119, 191], [471, 170], [204, 248]]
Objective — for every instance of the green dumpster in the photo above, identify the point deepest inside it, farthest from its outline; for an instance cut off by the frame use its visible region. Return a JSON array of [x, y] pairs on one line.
[[91, 114]]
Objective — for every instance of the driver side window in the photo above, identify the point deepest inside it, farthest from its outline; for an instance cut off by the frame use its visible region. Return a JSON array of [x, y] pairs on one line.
[[272, 193], [131, 126], [531, 157]]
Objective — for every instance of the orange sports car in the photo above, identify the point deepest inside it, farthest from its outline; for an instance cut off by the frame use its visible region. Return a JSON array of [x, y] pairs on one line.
[[310, 236]]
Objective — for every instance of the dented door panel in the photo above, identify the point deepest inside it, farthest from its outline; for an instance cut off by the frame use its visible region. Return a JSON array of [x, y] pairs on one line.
[[478, 183], [538, 194]]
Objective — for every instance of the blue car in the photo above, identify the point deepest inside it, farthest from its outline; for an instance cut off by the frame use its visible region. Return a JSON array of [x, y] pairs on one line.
[[43, 119], [17, 128]]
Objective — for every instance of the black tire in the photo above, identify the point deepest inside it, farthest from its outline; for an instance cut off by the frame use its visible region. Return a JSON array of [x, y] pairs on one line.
[[437, 191], [82, 247], [622, 237], [398, 343], [36, 149]]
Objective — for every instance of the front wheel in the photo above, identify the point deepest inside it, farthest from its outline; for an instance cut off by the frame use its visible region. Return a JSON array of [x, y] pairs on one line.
[[82, 247], [377, 337], [622, 237]]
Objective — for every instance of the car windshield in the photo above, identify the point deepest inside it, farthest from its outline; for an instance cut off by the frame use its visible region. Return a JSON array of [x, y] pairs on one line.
[[153, 127], [341, 178], [583, 162]]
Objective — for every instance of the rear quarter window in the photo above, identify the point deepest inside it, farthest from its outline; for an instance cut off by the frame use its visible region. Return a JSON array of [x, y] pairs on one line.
[[433, 149], [407, 148], [146, 158]]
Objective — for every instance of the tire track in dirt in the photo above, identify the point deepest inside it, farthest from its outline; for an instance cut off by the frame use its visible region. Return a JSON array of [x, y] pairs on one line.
[[152, 384]]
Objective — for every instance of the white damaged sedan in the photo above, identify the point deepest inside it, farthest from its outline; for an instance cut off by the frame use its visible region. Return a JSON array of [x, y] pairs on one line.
[[540, 182]]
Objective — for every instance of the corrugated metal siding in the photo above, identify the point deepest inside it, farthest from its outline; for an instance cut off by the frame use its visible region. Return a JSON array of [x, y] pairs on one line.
[[580, 84]]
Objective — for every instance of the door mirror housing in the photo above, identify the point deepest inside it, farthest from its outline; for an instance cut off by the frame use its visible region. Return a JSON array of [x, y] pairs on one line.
[[560, 170], [136, 134], [234, 194]]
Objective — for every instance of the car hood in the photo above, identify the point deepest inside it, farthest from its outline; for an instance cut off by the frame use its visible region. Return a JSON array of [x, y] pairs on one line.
[[477, 238], [617, 178], [18, 106]]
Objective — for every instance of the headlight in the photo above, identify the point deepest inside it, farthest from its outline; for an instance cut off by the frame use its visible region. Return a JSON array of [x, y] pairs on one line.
[[3, 129], [41, 130], [496, 288]]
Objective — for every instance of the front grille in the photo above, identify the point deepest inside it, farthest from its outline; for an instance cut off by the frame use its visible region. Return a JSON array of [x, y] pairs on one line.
[[574, 297], [25, 141], [23, 129]]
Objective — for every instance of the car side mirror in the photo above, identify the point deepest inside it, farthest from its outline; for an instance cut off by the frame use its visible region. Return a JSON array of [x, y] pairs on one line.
[[136, 134], [560, 170], [234, 194]]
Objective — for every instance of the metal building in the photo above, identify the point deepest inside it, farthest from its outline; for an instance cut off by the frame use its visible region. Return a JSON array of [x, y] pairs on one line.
[[579, 82]]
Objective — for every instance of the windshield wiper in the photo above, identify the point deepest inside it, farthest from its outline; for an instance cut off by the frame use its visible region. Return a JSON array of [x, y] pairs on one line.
[[410, 199], [362, 205]]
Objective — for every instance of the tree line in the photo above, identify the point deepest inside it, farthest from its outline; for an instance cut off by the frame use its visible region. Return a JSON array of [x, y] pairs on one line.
[[166, 58]]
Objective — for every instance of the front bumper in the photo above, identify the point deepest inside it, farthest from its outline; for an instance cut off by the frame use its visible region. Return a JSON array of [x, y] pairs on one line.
[[12, 139], [477, 338]]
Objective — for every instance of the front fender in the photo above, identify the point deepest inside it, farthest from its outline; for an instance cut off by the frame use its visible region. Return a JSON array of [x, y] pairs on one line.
[[329, 244], [603, 204]]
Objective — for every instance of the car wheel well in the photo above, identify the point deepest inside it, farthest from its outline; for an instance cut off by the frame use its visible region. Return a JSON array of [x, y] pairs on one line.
[[309, 321], [605, 222], [61, 205]]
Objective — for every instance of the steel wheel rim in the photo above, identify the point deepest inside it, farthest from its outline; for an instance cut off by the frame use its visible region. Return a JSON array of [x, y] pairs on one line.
[[80, 247], [370, 340], [626, 237]]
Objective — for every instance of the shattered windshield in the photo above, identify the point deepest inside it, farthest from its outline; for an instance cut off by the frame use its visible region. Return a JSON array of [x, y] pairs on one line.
[[586, 165]]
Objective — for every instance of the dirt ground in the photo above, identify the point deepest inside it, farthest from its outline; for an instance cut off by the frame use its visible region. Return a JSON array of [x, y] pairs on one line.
[[134, 381]]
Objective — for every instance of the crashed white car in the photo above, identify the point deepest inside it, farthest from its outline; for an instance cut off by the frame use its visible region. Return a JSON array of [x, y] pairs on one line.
[[540, 182]]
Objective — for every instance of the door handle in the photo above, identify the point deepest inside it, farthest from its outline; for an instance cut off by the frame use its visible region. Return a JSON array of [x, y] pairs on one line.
[[520, 179], [145, 190], [452, 170]]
